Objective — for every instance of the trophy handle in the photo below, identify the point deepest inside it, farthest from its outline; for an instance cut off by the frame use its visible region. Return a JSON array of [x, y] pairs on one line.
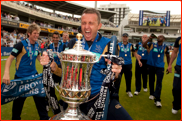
[[59, 54], [56, 87], [96, 61], [100, 58]]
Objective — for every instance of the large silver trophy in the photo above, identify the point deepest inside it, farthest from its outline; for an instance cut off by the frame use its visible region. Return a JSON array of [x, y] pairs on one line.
[[75, 84]]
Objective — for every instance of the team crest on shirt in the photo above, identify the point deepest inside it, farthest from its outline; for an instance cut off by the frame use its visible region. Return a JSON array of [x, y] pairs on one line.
[[98, 48], [155, 45], [36, 53], [122, 50], [155, 50]]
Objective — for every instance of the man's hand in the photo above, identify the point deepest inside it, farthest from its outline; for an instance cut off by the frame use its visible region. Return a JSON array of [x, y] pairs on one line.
[[115, 68], [140, 63], [44, 60], [169, 69], [6, 76], [6, 79], [53, 66]]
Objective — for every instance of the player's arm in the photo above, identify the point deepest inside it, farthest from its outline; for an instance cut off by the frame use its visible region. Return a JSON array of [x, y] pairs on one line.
[[6, 77], [144, 42], [55, 69], [175, 51], [138, 57], [15, 52], [167, 55], [44, 60], [173, 57]]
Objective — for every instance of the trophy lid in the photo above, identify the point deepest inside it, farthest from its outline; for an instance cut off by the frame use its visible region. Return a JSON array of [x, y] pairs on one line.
[[78, 54]]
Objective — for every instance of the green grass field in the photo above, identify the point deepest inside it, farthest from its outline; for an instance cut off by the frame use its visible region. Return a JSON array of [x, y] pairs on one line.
[[139, 107]]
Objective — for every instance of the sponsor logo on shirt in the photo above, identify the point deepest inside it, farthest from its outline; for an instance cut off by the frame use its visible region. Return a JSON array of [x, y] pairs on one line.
[[15, 50]]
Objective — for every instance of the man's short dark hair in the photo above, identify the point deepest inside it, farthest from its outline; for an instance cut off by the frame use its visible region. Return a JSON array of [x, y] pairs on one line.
[[93, 11], [56, 33]]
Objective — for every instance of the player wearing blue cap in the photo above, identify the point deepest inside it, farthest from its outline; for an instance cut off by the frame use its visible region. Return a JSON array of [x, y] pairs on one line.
[[124, 50]]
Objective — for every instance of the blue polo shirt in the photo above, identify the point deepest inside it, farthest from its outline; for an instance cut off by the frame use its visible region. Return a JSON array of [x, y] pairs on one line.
[[24, 66], [125, 52], [162, 20], [142, 51], [156, 55], [56, 49]]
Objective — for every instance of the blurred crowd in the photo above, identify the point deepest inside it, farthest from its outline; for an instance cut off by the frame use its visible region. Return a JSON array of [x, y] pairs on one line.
[[65, 17], [9, 39], [9, 16]]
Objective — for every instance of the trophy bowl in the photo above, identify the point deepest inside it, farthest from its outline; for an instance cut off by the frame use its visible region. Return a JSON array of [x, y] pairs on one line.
[[75, 84]]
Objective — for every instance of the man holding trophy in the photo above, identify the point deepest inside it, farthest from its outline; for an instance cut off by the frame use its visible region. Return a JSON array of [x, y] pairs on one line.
[[94, 42]]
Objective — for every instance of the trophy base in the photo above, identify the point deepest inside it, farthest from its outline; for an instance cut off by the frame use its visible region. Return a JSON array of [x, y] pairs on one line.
[[70, 114]]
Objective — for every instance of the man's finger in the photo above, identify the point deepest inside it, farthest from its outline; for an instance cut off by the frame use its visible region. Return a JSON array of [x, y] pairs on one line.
[[4, 81], [44, 53], [108, 61], [116, 66], [8, 82], [116, 70]]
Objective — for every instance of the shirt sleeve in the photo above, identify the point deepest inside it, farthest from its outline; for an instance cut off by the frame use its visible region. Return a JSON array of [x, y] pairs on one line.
[[136, 47], [167, 50], [64, 47], [176, 44], [48, 47], [71, 43], [17, 49], [149, 45], [132, 48]]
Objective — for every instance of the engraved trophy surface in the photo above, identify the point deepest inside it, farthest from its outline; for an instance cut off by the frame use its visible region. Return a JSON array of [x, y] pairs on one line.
[[75, 84]]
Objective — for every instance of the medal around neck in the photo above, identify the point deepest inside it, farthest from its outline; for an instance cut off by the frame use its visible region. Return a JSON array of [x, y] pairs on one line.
[[75, 84]]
